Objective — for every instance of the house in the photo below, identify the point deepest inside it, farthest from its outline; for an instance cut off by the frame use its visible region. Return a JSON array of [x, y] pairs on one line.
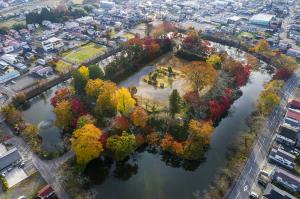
[[41, 71], [292, 118], [283, 158], [293, 52], [295, 104], [52, 43], [273, 192], [287, 136], [85, 20], [8, 58], [8, 49], [287, 180], [45, 192], [9, 76], [9, 158]]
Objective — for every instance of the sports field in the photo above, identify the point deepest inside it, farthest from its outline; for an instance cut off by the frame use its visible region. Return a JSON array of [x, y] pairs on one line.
[[84, 53]]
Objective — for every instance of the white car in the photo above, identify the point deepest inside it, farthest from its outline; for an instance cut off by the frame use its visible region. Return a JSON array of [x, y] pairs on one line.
[[253, 195], [22, 197]]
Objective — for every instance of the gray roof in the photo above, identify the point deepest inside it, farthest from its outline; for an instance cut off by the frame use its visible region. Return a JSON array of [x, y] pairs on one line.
[[9, 158], [273, 192]]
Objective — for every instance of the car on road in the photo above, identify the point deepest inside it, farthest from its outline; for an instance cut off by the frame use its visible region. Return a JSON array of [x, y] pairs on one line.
[[253, 195]]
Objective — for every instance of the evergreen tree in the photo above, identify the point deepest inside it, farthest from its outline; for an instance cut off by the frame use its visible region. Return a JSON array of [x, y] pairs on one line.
[[174, 103]]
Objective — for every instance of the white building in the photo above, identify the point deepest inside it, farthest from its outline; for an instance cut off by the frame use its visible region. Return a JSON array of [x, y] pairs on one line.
[[262, 19], [85, 20], [52, 43], [8, 49], [107, 4]]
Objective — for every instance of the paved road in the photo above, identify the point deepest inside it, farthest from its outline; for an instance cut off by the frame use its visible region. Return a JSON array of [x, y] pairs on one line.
[[47, 168], [243, 186], [283, 35]]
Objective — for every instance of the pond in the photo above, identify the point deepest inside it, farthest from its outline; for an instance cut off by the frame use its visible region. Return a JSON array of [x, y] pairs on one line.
[[39, 111], [150, 174]]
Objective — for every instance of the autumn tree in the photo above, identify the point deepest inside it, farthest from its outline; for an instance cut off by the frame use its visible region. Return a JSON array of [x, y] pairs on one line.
[[174, 103], [85, 142], [11, 114], [105, 105], [121, 146], [124, 101], [270, 98], [95, 72], [120, 123], [252, 61], [202, 75], [215, 61], [63, 112], [60, 95], [85, 119], [153, 138], [84, 71], [139, 117], [31, 131], [94, 87], [262, 46], [200, 130]]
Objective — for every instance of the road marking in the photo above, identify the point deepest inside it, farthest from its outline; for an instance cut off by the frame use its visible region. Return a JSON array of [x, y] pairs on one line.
[[245, 188], [237, 195]]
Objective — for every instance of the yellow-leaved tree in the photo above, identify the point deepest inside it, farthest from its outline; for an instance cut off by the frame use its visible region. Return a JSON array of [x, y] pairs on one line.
[[201, 75], [84, 71], [105, 105], [85, 142], [63, 112], [94, 87], [124, 101]]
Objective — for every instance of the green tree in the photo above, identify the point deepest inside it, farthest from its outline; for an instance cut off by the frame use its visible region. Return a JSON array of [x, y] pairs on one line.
[[121, 146], [174, 103], [96, 72], [79, 83]]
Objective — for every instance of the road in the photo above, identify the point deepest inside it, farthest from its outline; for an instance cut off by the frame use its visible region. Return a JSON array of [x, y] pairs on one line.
[[248, 176], [284, 33], [49, 169]]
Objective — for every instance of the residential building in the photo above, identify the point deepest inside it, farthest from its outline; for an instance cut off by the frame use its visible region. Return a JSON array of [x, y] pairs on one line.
[[283, 158], [287, 180], [293, 52], [273, 192], [8, 49], [9, 158], [41, 71], [9, 76], [287, 136], [45, 192], [52, 43]]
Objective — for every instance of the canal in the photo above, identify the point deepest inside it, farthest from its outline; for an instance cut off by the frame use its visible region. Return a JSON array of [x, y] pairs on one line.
[[151, 174]]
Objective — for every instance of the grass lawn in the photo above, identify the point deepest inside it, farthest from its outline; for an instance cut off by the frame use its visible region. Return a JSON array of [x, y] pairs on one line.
[[128, 35], [84, 53], [29, 187], [9, 23], [245, 34], [62, 67]]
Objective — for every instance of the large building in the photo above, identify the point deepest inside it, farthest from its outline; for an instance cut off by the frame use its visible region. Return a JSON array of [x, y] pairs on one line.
[[262, 19], [52, 43], [107, 4]]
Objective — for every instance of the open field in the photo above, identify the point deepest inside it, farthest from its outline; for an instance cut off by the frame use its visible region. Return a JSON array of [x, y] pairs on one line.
[[9, 23], [62, 66], [84, 53]]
